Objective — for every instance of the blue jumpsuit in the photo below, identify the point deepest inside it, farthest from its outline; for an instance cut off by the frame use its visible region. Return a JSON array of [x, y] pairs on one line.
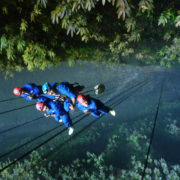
[[57, 109], [63, 88], [31, 89], [95, 106], [67, 103]]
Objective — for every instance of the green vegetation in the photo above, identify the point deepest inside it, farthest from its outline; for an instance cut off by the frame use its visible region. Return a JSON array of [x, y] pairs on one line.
[[41, 33], [32, 169]]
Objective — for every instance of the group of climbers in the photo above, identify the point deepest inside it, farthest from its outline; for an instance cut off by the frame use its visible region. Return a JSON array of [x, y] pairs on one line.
[[57, 99]]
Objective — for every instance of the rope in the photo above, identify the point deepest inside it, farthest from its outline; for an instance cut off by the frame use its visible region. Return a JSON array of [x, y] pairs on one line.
[[175, 90], [38, 146], [128, 95], [134, 88], [50, 155], [30, 141], [4, 131], [123, 90], [153, 130], [16, 109], [18, 147], [11, 99]]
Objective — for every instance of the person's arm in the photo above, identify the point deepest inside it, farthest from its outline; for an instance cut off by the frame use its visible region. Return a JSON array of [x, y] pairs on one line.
[[68, 105], [64, 90], [51, 111], [87, 111], [49, 115], [80, 107], [27, 97], [36, 91], [42, 98], [93, 109], [96, 114], [29, 88], [73, 103], [28, 92]]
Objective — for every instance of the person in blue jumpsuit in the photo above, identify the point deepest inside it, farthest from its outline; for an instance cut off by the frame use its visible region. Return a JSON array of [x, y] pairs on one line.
[[90, 106], [56, 110], [62, 90], [29, 91]]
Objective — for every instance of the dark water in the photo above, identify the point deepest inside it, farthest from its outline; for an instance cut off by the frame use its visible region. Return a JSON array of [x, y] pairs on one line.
[[133, 92]]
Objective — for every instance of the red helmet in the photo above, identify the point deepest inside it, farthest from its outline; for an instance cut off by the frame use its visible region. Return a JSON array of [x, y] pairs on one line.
[[17, 91], [81, 98], [40, 105]]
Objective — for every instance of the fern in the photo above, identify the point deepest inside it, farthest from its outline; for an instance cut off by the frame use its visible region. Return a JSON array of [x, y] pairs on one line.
[[177, 21], [162, 20], [130, 24], [42, 2], [24, 25], [21, 45], [4, 10], [146, 5], [4, 42]]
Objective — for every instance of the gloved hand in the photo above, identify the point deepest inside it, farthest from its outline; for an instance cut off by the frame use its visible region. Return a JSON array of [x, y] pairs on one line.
[[87, 112], [71, 107], [46, 115]]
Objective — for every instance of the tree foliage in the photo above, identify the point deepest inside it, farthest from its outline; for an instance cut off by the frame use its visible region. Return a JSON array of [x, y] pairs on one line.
[[80, 169], [36, 34]]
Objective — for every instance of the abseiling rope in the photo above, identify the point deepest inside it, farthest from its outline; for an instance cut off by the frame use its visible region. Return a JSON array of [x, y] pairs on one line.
[[38, 146], [127, 93], [31, 140], [11, 110], [153, 130], [51, 155], [10, 99], [23, 124], [175, 90]]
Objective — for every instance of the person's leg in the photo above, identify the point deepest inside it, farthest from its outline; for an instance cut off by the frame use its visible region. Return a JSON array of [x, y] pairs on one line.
[[66, 120], [76, 87], [67, 105], [104, 109], [40, 89]]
